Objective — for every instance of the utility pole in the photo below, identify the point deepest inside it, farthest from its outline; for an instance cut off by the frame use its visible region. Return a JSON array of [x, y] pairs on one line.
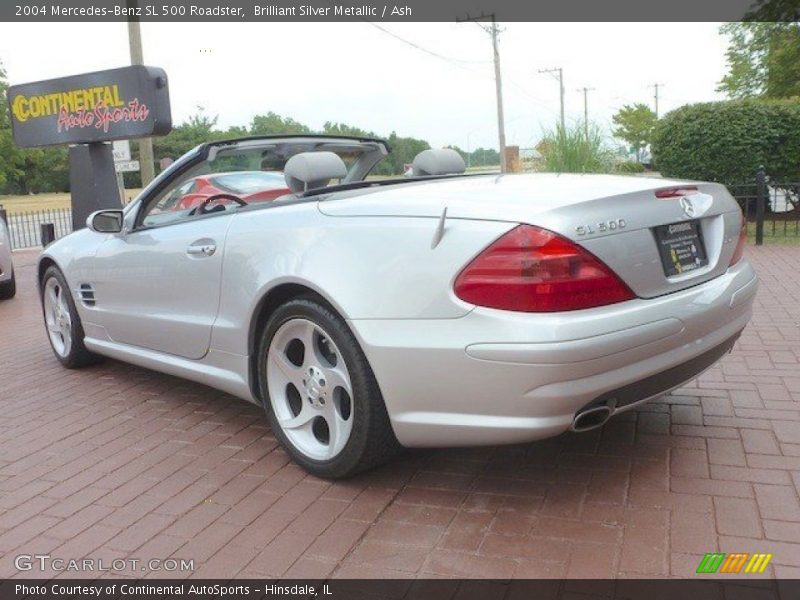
[[560, 78], [498, 82], [586, 91], [494, 31], [655, 87], [146, 161]]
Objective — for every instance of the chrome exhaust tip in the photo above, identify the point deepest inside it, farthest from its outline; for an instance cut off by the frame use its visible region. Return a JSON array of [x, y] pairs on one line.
[[591, 418]]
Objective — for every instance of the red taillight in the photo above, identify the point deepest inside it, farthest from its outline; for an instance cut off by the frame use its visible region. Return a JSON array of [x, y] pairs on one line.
[[739, 251], [676, 192], [534, 270]]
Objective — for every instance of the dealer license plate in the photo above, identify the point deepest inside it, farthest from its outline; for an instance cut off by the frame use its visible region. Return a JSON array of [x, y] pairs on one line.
[[681, 247]]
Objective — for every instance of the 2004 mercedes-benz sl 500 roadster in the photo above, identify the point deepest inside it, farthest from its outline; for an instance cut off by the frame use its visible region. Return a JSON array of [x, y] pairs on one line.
[[440, 309]]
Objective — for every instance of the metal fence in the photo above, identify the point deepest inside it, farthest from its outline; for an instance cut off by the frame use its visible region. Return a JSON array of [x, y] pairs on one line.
[[772, 207], [26, 227]]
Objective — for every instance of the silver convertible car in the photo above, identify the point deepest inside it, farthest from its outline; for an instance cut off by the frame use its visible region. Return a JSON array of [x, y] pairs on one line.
[[440, 309]]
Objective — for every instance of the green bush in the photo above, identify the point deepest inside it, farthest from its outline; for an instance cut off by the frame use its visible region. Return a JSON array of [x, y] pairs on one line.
[[629, 166], [728, 141]]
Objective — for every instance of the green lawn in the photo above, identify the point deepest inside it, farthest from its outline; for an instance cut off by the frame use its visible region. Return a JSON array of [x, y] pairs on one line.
[[34, 202], [50, 201], [781, 233]]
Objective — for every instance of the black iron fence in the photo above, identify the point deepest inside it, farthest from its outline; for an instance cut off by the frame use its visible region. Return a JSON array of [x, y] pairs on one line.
[[772, 208], [26, 227]]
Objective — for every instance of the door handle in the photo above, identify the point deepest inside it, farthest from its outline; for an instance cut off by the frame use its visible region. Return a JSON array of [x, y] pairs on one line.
[[204, 249]]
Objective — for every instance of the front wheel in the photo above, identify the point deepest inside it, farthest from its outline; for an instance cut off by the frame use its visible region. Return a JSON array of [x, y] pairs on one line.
[[321, 397], [63, 324]]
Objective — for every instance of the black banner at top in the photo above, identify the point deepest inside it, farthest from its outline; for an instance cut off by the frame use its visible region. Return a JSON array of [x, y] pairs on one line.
[[403, 10]]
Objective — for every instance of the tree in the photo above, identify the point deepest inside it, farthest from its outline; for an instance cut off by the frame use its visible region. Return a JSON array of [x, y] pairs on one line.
[[331, 128], [728, 141], [197, 129], [236, 131], [5, 133], [635, 125], [39, 170], [763, 60], [484, 157], [404, 149], [202, 123], [10, 154], [774, 11], [275, 124], [4, 122]]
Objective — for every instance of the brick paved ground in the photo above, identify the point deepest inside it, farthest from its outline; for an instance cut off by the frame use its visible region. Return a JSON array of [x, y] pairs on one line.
[[115, 461]]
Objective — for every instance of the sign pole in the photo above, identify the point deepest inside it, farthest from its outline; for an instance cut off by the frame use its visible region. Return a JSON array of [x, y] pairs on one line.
[[98, 190], [121, 186]]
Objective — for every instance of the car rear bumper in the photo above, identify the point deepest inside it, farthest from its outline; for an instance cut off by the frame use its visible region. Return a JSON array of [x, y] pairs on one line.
[[495, 377]]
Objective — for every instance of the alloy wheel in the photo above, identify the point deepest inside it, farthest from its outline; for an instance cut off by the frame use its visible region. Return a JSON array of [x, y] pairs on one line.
[[310, 389], [57, 316]]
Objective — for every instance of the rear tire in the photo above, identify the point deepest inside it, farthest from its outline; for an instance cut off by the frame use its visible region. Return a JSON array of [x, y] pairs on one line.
[[320, 395], [8, 289], [62, 323]]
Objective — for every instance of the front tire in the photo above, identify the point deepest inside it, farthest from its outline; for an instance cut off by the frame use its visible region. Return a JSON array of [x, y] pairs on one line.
[[8, 289], [320, 395], [62, 322]]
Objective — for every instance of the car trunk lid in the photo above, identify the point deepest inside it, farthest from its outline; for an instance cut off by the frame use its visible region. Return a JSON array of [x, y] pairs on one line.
[[621, 220]]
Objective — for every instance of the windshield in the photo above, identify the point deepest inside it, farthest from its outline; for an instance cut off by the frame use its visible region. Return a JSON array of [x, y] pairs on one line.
[[249, 182], [237, 173]]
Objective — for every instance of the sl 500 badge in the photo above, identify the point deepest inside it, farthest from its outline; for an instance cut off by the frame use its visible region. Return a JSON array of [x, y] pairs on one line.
[[601, 227]]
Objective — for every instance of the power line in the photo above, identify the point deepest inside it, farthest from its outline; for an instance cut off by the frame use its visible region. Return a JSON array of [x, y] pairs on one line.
[[538, 101], [458, 62], [425, 50], [466, 65]]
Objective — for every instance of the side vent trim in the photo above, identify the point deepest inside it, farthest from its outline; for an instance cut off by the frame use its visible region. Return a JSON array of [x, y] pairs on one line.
[[86, 293]]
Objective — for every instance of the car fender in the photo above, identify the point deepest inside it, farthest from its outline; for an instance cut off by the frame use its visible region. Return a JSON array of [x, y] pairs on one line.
[[73, 255]]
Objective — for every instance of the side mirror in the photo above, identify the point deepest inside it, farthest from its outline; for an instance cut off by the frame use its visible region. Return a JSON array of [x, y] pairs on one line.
[[105, 221]]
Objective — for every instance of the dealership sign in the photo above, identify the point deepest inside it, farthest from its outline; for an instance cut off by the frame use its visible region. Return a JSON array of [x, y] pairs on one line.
[[126, 103]]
